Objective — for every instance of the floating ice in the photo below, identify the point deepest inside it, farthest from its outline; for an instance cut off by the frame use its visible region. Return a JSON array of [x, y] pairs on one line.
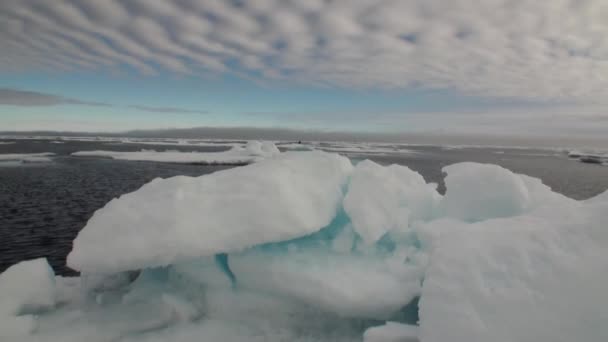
[[253, 151], [348, 148], [305, 247], [27, 157], [391, 332]]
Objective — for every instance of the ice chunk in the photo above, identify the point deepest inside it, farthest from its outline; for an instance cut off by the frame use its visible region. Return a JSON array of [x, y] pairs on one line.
[[392, 332], [480, 191], [347, 285], [182, 218], [535, 277], [26, 288], [252, 152], [382, 198]]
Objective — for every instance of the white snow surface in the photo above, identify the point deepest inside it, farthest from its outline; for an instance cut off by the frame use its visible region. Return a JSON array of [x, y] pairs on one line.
[[252, 152], [304, 246], [539, 277]]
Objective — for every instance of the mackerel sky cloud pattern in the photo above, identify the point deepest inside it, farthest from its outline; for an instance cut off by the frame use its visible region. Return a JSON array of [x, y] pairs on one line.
[[549, 51]]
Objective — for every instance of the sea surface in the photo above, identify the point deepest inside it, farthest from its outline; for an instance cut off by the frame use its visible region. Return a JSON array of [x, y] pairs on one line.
[[43, 206]]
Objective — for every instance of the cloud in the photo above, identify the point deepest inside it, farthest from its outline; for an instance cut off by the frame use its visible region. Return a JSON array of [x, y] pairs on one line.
[[168, 110], [16, 97], [553, 51]]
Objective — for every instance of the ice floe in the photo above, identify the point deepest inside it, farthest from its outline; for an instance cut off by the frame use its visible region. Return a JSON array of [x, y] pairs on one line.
[[181, 218], [305, 246], [27, 157], [253, 151]]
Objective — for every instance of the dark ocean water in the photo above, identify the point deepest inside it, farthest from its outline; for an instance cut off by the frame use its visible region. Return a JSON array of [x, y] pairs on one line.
[[43, 206]]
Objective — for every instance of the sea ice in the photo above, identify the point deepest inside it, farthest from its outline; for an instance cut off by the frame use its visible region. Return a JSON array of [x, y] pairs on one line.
[[253, 151], [304, 246]]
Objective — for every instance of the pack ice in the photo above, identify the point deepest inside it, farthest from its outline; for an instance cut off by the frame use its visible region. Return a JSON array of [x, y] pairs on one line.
[[306, 246]]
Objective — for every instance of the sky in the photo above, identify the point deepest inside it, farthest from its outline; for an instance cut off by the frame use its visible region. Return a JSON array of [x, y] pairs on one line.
[[517, 68]]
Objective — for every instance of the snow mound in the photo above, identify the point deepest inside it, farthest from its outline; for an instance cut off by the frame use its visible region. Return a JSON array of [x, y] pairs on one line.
[[181, 218], [254, 151]]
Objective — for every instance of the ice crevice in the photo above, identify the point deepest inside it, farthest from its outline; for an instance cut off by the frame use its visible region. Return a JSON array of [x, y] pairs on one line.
[[306, 246]]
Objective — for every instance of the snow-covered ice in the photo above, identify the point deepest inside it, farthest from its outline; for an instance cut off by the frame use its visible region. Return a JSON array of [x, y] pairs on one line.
[[304, 246], [253, 151], [181, 218]]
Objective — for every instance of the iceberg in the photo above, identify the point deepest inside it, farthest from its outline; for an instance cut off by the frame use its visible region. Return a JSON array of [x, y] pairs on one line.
[[181, 218], [306, 246], [252, 152]]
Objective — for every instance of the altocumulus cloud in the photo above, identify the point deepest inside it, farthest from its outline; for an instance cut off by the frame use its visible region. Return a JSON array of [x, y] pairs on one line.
[[525, 49]]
